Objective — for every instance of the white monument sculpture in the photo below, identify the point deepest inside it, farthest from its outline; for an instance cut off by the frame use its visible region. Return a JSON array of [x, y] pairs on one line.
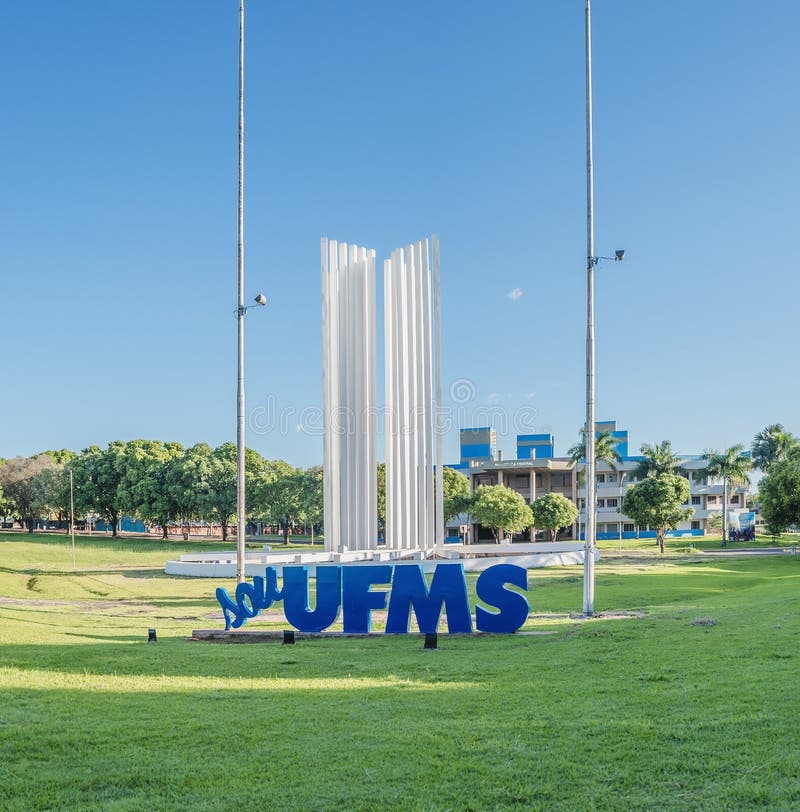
[[414, 505], [348, 383]]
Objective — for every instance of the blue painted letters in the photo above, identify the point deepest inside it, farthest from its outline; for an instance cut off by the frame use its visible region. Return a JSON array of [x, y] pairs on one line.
[[348, 589], [410, 590], [512, 606]]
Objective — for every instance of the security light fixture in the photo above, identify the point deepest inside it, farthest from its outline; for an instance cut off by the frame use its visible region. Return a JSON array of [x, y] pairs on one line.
[[260, 300], [619, 255]]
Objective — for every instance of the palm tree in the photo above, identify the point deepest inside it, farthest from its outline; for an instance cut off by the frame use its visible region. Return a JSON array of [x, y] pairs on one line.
[[771, 445], [605, 449], [658, 459], [731, 466]]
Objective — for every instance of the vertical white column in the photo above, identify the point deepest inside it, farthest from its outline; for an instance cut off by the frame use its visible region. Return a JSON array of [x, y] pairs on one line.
[[348, 319], [327, 477], [370, 409], [437, 393], [413, 395]]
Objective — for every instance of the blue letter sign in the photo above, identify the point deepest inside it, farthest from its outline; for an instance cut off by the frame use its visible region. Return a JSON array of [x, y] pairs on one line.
[[348, 589]]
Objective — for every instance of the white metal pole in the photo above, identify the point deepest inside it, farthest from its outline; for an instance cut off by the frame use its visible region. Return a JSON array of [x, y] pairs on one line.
[[72, 516], [591, 496], [240, 438]]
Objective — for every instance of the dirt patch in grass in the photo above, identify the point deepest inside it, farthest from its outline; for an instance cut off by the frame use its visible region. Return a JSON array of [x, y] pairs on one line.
[[704, 621], [620, 615], [117, 607]]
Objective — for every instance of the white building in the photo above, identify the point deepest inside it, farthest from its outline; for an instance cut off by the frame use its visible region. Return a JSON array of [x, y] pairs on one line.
[[537, 471]]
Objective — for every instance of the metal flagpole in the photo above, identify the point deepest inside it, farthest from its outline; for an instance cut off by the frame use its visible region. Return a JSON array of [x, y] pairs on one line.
[[591, 496], [240, 438]]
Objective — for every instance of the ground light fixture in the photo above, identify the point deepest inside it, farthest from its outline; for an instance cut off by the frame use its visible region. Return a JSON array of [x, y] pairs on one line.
[[288, 637], [431, 642], [151, 636]]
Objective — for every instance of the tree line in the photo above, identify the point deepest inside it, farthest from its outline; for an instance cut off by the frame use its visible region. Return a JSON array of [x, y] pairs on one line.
[[160, 483], [165, 484]]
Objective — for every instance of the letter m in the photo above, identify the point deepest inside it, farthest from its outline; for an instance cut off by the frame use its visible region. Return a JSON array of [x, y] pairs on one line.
[[410, 591]]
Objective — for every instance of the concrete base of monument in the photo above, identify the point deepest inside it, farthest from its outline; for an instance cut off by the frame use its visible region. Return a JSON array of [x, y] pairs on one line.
[[474, 557], [277, 636]]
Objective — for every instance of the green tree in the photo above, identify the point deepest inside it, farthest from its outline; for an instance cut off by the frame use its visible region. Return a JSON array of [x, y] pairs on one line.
[[771, 445], [98, 476], [552, 511], [658, 459], [215, 479], [381, 479], [51, 486], [61, 456], [279, 494], [23, 494], [502, 509], [311, 496], [658, 501], [457, 493], [187, 479], [779, 493], [144, 489], [731, 466]]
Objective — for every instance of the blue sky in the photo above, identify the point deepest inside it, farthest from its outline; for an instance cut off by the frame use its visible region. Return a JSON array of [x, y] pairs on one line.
[[380, 123]]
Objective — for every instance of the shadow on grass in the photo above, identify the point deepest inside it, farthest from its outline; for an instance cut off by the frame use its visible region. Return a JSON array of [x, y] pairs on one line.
[[457, 660], [107, 638]]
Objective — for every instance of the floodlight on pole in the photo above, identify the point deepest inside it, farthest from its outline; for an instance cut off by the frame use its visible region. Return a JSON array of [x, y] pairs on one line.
[[619, 255]]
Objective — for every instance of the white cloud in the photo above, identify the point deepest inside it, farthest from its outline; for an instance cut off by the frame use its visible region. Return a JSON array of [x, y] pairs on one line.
[[514, 294]]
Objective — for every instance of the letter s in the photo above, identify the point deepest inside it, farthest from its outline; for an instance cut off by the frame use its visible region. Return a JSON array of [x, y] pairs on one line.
[[512, 606]]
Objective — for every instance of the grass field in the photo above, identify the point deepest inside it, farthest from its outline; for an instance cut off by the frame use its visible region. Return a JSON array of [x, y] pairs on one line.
[[688, 705]]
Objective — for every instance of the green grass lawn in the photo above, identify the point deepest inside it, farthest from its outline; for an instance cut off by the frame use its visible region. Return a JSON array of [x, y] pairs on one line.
[[687, 706]]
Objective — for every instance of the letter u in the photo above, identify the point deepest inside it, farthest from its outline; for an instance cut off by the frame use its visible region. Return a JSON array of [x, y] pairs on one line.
[[296, 599]]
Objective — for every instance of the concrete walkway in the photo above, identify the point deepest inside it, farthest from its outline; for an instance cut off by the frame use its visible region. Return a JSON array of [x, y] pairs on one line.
[[737, 552]]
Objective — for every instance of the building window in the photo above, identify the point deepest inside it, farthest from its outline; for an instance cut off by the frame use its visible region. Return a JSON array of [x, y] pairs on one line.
[[611, 478], [627, 527], [735, 499], [601, 503], [611, 502], [601, 478], [695, 525], [581, 504], [712, 500], [697, 500]]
